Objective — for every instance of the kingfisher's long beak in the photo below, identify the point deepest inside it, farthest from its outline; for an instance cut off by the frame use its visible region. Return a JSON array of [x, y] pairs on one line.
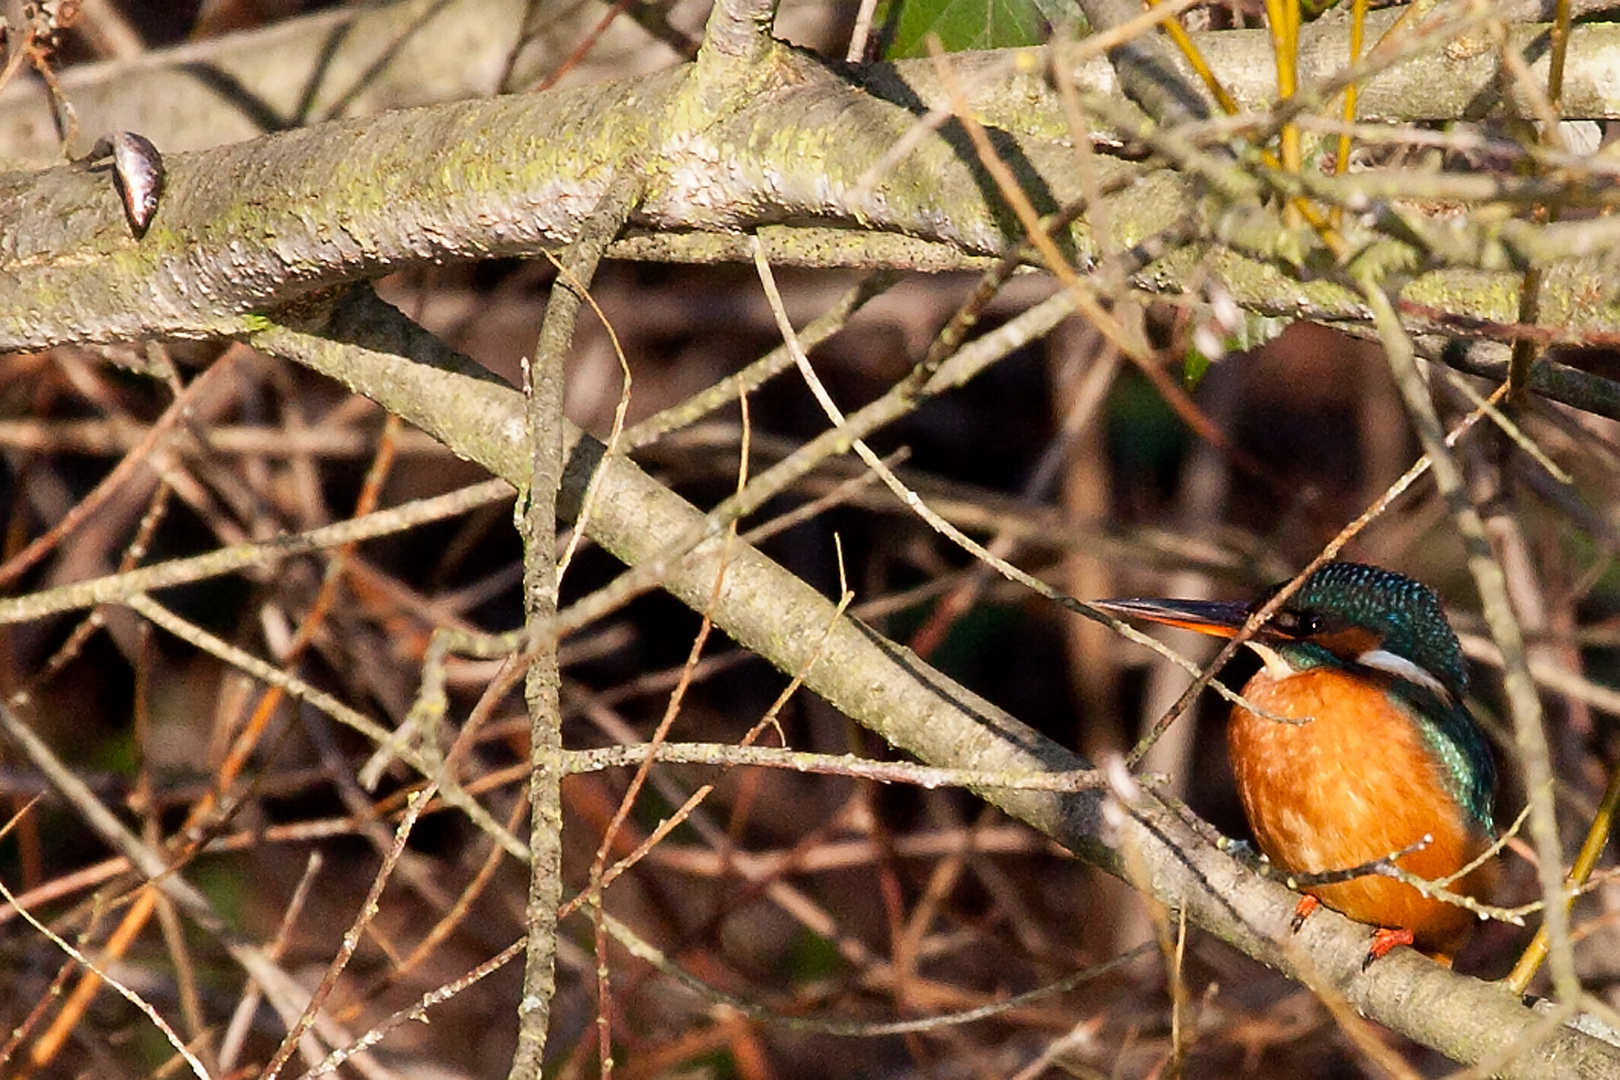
[[1219, 618]]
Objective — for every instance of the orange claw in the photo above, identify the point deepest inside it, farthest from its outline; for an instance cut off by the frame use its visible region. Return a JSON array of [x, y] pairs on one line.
[[1385, 939], [1302, 910]]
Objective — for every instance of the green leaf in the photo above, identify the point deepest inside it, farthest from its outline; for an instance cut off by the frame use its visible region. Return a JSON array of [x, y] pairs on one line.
[[1256, 330], [962, 25], [1193, 367], [1209, 343]]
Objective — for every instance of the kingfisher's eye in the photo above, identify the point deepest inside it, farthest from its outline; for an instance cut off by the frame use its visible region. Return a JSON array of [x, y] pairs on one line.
[[1297, 623]]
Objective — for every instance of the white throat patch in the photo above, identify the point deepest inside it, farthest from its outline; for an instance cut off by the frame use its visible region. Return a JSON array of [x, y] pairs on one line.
[[1278, 668]]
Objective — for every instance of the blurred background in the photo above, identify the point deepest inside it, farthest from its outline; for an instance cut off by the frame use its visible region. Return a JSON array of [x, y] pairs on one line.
[[819, 897]]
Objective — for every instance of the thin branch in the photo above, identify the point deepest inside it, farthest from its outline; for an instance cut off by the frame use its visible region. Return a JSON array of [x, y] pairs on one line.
[[1523, 702], [643, 950], [541, 582], [265, 555], [125, 992]]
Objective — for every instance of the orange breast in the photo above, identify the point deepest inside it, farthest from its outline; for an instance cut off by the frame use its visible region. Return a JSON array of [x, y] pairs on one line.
[[1355, 784]]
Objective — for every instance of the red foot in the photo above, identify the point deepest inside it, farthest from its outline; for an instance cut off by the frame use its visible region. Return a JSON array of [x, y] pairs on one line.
[[1385, 939], [1302, 910]]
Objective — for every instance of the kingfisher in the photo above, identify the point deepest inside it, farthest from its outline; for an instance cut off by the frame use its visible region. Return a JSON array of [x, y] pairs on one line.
[[1381, 756]]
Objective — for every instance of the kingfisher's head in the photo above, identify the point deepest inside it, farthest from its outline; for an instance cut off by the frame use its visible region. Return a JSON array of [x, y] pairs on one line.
[[1345, 613]]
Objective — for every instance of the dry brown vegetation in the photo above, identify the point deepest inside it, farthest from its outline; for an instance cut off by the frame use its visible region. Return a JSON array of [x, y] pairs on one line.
[[848, 859]]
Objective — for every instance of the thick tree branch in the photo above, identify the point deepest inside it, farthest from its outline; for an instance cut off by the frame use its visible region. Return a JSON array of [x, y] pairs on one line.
[[247, 227], [358, 61]]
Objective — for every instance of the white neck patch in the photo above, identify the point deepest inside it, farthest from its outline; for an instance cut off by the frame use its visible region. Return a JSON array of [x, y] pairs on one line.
[[1403, 668]]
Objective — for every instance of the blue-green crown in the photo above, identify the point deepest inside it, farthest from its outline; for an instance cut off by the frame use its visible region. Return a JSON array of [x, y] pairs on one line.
[[1404, 614]]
